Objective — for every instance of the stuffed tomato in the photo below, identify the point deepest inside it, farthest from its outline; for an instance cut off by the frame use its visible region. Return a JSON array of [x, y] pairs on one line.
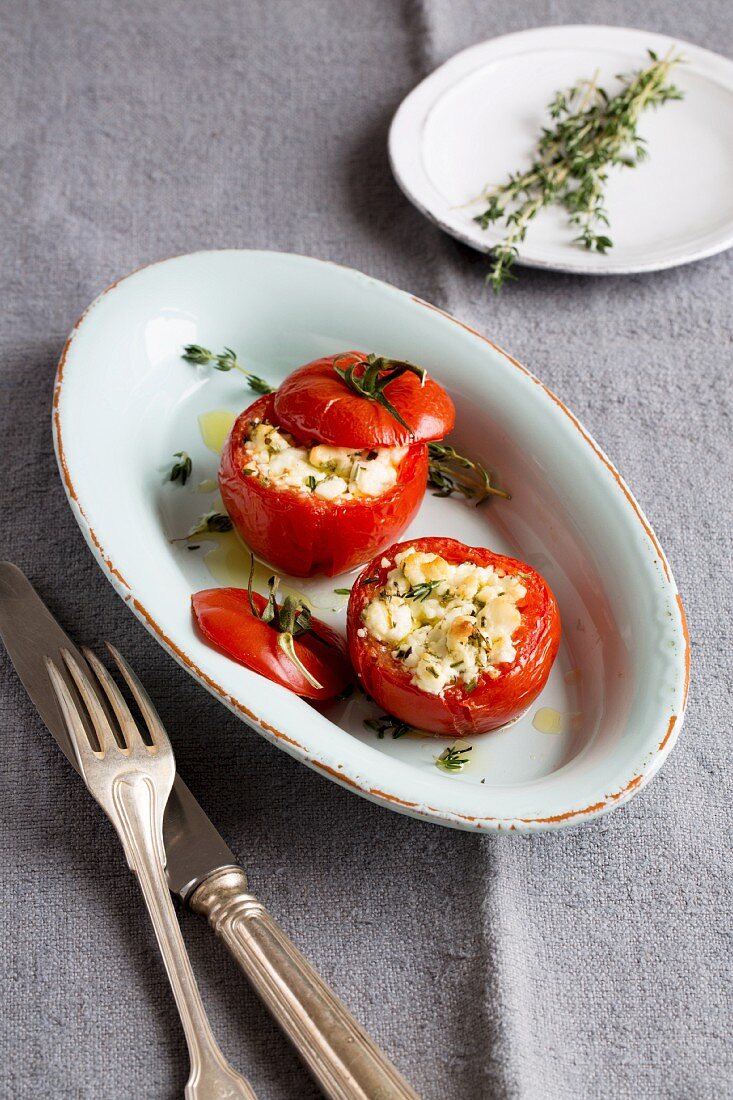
[[322, 474], [451, 639], [307, 507]]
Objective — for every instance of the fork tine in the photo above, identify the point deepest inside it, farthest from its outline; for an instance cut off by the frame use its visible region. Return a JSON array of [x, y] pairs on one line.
[[128, 726], [156, 729], [74, 724], [102, 728]]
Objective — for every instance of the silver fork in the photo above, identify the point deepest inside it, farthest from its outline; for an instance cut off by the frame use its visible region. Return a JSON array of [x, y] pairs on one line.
[[131, 783]]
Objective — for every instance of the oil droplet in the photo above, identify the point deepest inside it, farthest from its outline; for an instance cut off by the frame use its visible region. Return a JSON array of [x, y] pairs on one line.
[[462, 745], [208, 485], [548, 720], [572, 676], [229, 563], [215, 427]]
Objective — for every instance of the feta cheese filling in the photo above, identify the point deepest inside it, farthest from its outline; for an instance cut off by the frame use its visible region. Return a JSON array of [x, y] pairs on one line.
[[446, 623], [332, 473]]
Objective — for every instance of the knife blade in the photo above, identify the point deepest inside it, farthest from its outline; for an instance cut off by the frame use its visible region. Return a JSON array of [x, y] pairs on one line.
[[194, 848]]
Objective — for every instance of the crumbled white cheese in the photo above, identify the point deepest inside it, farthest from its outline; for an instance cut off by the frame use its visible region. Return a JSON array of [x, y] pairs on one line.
[[332, 473], [446, 623]]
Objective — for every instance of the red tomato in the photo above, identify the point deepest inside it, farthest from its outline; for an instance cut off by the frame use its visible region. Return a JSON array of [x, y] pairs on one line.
[[315, 403], [225, 617], [302, 534], [456, 711]]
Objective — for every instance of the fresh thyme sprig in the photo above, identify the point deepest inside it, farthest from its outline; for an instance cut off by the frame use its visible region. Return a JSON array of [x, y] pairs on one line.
[[450, 472], [453, 759], [593, 131], [387, 724], [226, 361], [290, 619], [377, 373], [181, 470]]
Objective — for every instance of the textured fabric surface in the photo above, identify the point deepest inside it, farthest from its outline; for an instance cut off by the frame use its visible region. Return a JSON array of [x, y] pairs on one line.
[[590, 963]]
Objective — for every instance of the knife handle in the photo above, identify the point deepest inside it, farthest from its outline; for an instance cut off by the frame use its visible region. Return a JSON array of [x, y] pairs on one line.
[[343, 1058]]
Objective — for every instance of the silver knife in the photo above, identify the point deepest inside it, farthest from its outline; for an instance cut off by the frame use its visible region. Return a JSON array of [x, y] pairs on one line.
[[203, 872]]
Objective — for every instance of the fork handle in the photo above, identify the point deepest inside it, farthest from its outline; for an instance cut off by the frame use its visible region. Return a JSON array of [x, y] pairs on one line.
[[343, 1058], [137, 823]]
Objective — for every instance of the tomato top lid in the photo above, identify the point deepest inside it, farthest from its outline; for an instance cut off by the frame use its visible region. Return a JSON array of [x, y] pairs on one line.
[[360, 400]]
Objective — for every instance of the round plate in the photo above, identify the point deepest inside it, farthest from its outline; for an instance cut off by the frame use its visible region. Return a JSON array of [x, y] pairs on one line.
[[613, 705], [478, 118]]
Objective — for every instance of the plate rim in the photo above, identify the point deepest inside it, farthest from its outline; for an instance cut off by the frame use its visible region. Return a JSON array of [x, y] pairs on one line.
[[442, 78], [391, 800]]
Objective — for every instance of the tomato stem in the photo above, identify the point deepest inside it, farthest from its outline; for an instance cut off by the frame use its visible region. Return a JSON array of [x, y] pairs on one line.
[[285, 641], [288, 620], [378, 372]]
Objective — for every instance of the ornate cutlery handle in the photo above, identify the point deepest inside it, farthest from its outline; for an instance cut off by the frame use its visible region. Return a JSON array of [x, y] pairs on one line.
[[343, 1058], [212, 1078]]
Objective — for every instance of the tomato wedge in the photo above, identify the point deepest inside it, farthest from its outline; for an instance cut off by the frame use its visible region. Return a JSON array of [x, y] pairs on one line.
[[459, 709], [225, 618], [303, 534], [315, 402]]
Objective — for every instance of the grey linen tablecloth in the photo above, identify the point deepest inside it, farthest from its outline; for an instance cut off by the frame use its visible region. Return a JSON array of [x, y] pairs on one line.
[[590, 963]]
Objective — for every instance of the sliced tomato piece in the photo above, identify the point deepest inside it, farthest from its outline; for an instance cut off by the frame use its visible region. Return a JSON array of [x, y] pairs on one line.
[[314, 402], [225, 618], [303, 534], [457, 711]]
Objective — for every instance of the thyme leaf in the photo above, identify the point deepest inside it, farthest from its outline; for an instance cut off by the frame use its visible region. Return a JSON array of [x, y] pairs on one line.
[[211, 522], [592, 132], [420, 592], [225, 361], [450, 472], [181, 470]]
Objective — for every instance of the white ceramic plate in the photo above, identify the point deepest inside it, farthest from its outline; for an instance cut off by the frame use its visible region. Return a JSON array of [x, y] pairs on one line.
[[618, 688], [477, 118]]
